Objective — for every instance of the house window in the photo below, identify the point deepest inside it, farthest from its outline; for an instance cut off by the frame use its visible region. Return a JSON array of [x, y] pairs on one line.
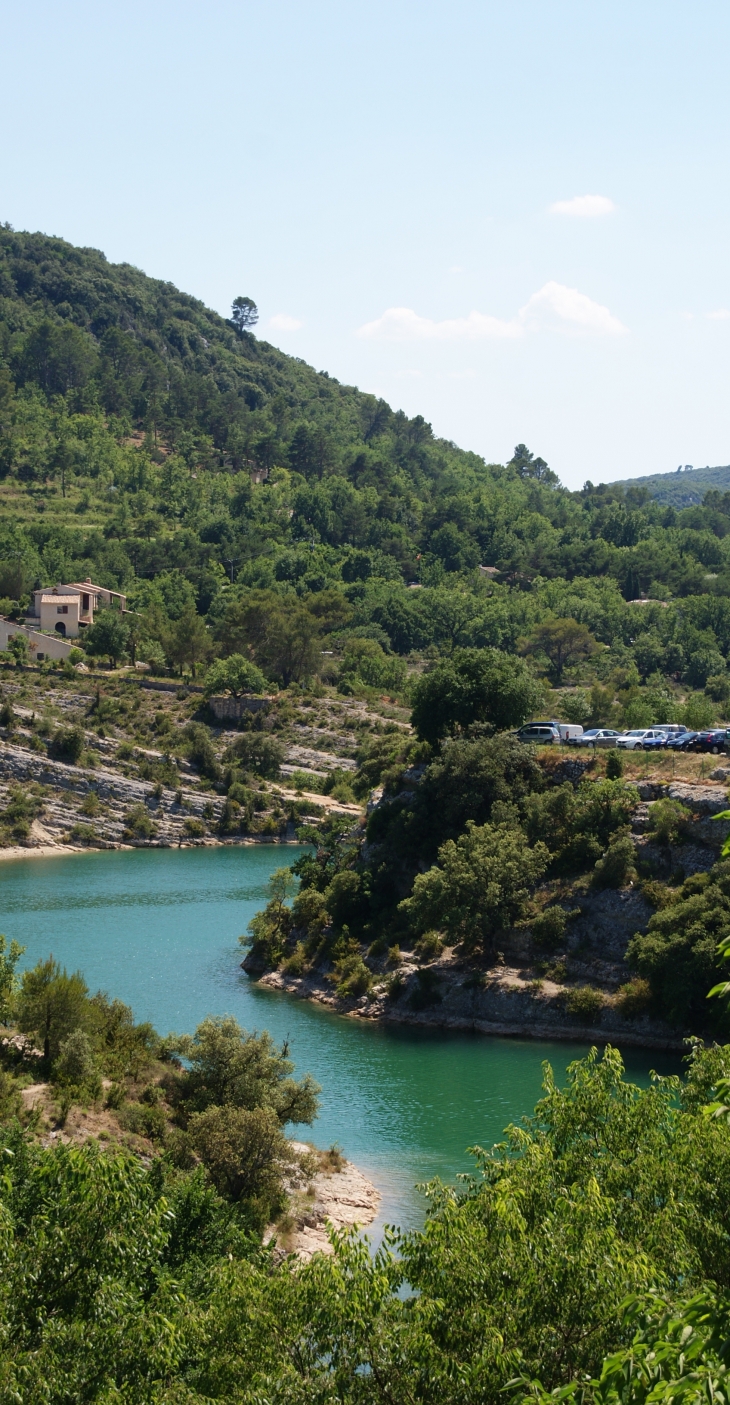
[[62, 609], [84, 602]]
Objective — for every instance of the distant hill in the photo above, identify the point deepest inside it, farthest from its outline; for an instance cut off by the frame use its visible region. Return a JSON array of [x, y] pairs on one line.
[[684, 489]]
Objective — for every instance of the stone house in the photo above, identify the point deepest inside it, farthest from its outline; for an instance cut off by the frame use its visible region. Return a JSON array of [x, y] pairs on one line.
[[68, 609]]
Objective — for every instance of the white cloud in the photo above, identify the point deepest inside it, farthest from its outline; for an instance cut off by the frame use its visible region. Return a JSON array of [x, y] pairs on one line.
[[721, 315], [282, 322], [554, 306], [584, 207], [566, 308], [403, 324]]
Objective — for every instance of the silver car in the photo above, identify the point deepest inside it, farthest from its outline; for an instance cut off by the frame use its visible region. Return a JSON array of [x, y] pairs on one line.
[[595, 736], [539, 733], [629, 741]]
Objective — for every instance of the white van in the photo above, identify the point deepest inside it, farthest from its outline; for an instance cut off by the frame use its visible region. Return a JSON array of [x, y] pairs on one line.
[[569, 731]]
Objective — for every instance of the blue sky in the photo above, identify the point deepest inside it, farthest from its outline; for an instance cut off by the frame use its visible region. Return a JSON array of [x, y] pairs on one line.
[[508, 217]]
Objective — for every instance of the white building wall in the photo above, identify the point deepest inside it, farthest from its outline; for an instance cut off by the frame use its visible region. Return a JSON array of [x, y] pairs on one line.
[[51, 646]]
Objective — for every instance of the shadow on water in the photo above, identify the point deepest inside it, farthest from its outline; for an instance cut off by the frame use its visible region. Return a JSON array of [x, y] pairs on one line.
[[159, 929]]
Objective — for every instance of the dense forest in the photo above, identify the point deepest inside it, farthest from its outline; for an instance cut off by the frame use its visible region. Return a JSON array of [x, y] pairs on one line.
[[243, 500]]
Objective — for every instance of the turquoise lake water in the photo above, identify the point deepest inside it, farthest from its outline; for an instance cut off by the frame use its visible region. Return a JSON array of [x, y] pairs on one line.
[[159, 929]]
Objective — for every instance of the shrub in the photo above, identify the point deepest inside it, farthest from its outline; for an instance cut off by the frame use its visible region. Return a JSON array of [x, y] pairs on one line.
[[354, 978], [584, 1003], [11, 1103], [22, 807], [296, 963], [617, 864], [138, 823], [82, 833], [634, 998], [10, 954], [365, 662], [614, 765], [548, 930], [244, 1153], [657, 894], [232, 1068], [309, 910], [90, 804], [194, 827], [201, 752], [343, 793], [395, 986], [258, 752], [68, 744], [75, 1062], [668, 821], [554, 970], [144, 1121], [429, 946], [579, 824]]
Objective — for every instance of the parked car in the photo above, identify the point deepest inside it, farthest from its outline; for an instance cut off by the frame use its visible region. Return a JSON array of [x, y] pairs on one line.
[[630, 741], [681, 742], [656, 740], [595, 736], [539, 733], [713, 739]]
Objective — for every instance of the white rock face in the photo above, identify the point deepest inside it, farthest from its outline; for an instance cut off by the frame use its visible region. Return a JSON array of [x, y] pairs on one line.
[[340, 1199]]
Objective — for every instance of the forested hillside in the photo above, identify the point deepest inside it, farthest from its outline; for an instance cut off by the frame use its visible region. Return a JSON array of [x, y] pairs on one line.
[[686, 487], [158, 448]]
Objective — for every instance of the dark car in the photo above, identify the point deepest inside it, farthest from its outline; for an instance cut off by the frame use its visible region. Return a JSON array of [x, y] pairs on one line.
[[713, 739], [654, 741], [681, 742]]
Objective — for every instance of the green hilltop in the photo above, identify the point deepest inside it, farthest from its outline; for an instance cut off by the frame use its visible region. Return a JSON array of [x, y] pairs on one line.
[[242, 499], [684, 487]]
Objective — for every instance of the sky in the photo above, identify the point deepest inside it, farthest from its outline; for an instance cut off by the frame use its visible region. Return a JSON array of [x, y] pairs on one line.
[[510, 218]]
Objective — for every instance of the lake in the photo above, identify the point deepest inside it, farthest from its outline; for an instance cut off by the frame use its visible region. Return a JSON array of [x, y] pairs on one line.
[[159, 930]]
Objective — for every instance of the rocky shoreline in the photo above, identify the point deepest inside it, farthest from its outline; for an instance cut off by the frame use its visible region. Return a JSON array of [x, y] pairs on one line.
[[503, 1005], [338, 1196], [515, 996]]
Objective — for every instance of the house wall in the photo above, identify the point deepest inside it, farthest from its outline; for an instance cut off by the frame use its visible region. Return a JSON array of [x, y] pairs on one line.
[[66, 614], [51, 646]]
